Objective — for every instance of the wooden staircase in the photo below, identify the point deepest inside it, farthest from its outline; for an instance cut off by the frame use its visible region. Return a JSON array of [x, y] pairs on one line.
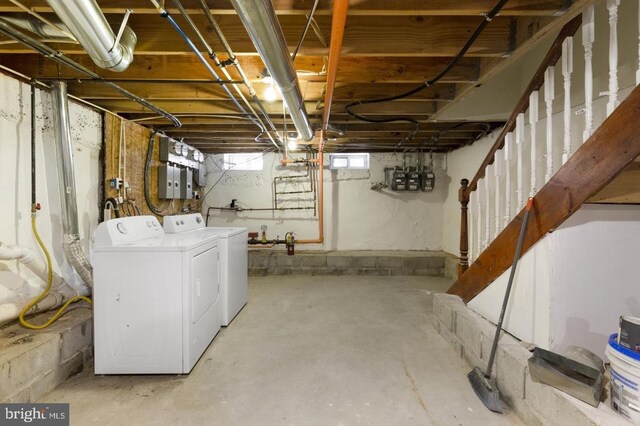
[[604, 155], [613, 146]]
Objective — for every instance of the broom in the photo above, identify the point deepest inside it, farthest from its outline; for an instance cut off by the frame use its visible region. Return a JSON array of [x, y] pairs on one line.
[[482, 383]]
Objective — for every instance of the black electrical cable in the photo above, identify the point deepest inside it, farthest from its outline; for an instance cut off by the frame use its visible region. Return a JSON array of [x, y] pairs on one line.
[[487, 18], [147, 173], [304, 31]]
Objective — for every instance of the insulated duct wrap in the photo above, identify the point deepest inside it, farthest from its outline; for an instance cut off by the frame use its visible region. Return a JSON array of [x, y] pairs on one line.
[[60, 291], [66, 179]]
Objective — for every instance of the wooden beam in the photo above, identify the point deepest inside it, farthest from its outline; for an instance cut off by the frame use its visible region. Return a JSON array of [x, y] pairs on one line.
[[302, 7], [614, 145], [624, 189], [209, 91], [352, 70], [227, 107], [393, 36]]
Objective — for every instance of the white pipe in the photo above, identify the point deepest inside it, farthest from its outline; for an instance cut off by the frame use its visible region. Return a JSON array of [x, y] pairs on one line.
[[89, 26]]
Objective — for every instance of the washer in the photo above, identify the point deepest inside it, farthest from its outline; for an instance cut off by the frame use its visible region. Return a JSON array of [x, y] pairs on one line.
[[233, 259], [156, 297]]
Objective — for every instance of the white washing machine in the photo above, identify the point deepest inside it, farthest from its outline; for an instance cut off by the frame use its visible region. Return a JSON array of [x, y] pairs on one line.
[[156, 297], [233, 259]]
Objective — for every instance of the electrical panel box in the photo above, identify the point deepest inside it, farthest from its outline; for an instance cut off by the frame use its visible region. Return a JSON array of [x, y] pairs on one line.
[[413, 181], [200, 176], [427, 181], [165, 182], [186, 184], [399, 181], [177, 182]]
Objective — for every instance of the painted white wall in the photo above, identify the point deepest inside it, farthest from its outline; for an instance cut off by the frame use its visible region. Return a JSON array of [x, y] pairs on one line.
[[356, 217], [15, 182], [571, 287]]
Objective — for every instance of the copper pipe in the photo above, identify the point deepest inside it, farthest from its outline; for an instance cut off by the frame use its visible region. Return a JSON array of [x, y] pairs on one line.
[[338, 23]]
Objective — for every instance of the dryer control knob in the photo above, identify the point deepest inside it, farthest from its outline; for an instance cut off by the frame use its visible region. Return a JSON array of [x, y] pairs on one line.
[[121, 228], [198, 219]]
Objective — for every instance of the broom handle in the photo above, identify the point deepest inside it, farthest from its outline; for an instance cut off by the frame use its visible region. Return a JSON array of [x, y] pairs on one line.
[[516, 257]]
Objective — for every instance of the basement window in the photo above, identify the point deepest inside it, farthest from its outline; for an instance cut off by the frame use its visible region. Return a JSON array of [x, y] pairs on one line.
[[357, 161], [243, 161]]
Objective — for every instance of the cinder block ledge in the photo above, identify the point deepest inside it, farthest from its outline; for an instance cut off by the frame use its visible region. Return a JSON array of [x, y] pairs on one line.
[[34, 362], [352, 262], [471, 335]]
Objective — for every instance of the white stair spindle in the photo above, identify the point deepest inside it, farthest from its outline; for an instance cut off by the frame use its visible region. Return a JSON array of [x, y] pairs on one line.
[[497, 166], [549, 94], [567, 69], [519, 147], [479, 217], [508, 142], [472, 228], [588, 37], [487, 205], [612, 6], [638, 71], [533, 122]]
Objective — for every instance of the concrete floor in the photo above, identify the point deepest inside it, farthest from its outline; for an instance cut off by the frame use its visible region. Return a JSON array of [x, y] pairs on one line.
[[304, 351]]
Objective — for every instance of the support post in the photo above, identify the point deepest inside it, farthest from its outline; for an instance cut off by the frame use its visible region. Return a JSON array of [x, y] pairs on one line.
[[463, 197]]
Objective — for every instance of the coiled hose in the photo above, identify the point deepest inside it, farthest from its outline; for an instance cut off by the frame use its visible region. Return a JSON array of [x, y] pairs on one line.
[[42, 295]]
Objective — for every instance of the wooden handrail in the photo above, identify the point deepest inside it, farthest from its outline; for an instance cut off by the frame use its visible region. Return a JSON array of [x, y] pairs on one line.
[[614, 145], [554, 53]]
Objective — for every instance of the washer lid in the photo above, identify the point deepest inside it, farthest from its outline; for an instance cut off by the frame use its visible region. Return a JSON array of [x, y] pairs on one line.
[[166, 242], [224, 232]]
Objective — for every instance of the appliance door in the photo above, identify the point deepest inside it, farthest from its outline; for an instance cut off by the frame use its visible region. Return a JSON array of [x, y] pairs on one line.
[[202, 322]]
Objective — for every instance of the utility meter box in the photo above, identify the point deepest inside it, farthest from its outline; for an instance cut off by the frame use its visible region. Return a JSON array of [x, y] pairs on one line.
[[399, 181], [186, 184], [166, 182], [427, 181], [413, 181]]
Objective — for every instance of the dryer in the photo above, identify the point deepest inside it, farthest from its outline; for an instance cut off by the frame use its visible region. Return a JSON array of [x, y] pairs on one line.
[[156, 297], [233, 259]]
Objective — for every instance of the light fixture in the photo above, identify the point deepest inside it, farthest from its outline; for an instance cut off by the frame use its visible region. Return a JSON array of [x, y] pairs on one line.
[[266, 77], [292, 143], [270, 94]]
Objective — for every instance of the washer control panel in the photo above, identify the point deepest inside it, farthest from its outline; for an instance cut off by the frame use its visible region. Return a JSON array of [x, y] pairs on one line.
[[183, 223]]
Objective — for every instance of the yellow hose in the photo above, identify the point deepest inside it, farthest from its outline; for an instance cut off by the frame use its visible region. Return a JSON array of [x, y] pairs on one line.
[[42, 295]]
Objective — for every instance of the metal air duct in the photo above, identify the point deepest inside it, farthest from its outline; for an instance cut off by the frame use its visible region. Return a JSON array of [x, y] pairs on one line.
[[85, 21], [261, 22], [66, 177]]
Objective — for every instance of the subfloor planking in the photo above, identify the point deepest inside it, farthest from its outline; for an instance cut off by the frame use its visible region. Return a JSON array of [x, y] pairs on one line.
[[305, 351]]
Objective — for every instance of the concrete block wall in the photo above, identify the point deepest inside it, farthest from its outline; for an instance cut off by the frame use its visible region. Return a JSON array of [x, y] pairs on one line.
[[34, 362], [277, 262], [471, 336]]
